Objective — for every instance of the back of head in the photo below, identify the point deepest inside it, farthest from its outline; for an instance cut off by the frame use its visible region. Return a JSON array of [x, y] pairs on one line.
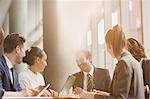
[[135, 48], [12, 41], [32, 54], [116, 38]]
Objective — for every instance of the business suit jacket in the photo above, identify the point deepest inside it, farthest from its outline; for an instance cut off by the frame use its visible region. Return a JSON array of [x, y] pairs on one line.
[[127, 80], [101, 79], [5, 82], [146, 73]]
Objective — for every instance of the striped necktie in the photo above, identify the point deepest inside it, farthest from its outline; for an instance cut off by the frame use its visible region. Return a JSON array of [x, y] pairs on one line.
[[89, 82]]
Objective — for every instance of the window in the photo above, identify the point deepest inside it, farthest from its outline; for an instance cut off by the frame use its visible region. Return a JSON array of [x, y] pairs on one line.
[[89, 40], [101, 44]]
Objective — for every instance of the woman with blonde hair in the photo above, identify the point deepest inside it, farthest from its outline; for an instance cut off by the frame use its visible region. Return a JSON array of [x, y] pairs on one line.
[[127, 79]]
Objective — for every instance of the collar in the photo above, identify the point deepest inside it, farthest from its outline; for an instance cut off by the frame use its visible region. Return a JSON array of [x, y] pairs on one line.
[[141, 60], [125, 54], [31, 72], [8, 62], [91, 72]]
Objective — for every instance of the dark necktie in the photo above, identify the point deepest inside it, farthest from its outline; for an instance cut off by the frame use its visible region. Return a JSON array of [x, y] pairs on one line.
[[89, 82], [12, 74]]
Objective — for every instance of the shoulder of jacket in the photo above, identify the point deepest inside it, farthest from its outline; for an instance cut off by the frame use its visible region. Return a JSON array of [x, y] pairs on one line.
[[78, 73]]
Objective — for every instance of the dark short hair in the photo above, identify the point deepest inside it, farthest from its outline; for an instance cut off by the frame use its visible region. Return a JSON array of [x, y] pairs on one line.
[[32, 54], [12, 41]]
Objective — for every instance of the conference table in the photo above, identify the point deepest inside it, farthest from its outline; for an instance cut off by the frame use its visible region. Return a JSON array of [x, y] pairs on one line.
[[40, 98], [60, 97]]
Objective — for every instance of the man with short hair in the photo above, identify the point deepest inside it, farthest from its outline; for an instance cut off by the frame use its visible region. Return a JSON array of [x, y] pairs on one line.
[[14, 51], [90, 77]]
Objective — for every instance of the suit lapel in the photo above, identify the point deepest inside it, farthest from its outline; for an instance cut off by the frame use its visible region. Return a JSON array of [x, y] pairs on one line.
[[6, 68], [94, 77], [94, 74], [80, 79]]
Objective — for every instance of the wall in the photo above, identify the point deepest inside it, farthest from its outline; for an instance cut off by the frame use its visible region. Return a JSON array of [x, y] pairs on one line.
[[146, 25]]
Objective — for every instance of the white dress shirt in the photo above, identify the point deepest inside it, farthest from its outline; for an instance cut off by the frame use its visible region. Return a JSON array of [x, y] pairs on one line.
[[9, 64], [30, 80], [85, 82]]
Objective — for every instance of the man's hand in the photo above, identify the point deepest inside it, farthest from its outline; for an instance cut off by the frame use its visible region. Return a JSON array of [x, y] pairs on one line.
[[83, 94], [46, 93], [53, 93], [101, 92], [78, 91], [147, 90], [28, 92], [86, 94]]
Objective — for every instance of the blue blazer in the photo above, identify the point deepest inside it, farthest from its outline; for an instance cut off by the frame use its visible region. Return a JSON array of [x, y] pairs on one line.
[[5, 82]]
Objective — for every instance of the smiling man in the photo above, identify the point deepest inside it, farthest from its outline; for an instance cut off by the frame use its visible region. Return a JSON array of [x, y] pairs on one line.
[[90, 77]]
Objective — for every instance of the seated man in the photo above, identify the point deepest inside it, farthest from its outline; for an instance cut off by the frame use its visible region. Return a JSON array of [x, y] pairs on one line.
[[90, 77], [14, 51]]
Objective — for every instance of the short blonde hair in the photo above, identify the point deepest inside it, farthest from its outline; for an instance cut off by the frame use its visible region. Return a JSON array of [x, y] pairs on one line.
[[84, 53], [116, 38]]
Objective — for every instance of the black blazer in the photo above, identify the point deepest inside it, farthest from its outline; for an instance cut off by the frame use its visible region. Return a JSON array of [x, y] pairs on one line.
[[5, 82], [101, 79]]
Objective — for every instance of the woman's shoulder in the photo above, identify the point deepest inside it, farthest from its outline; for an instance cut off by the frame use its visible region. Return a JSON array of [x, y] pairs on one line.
[[40, 75], [121, 64], [128, 62], [24, 73], [145, 63]]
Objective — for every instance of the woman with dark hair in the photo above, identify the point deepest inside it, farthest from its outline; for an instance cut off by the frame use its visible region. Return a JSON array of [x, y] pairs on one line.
[[36, 60], [32, 77], [138, 52]]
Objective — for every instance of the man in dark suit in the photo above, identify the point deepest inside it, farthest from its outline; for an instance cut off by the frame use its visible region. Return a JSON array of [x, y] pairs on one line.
[[14, 51], [90, 77], [9, 85]]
